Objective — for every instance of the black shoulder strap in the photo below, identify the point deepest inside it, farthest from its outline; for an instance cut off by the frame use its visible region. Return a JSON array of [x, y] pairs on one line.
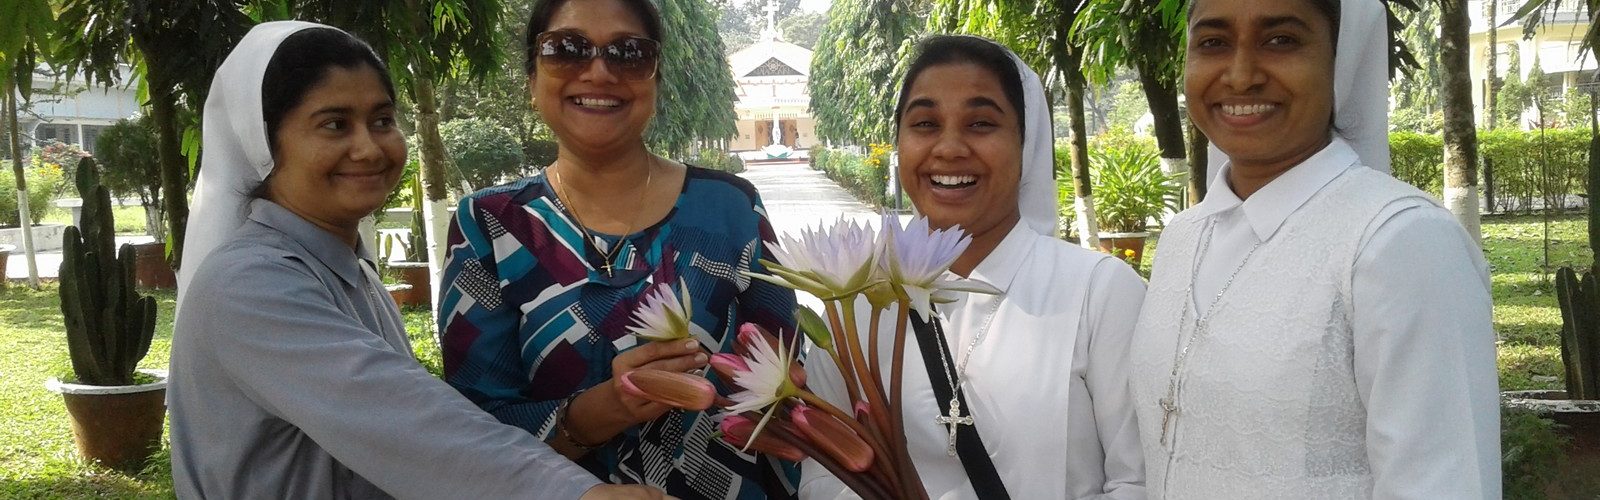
[[969, 446]]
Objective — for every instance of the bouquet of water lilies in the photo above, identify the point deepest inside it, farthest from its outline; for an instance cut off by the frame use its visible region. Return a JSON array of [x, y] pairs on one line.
[[774, 412]]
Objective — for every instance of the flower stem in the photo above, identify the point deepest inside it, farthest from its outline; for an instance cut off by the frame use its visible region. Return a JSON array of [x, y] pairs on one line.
[[845, 368], [909, 481], [874, 440], [861, 484], [871, 383]]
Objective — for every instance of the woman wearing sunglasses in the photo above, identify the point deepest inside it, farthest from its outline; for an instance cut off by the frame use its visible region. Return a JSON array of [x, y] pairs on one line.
[[543, 274]]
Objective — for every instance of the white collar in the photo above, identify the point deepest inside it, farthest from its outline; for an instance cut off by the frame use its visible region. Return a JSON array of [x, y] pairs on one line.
[[1000, 268], [1272, 204]]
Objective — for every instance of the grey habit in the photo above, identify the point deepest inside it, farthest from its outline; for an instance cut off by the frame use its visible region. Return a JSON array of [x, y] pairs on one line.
[[291, 377]]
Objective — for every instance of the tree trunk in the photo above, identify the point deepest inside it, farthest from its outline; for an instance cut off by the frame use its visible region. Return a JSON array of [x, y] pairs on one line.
[[169, 151], [24, 217], [1199, 144], [1088, 227], [1460, 137], [1168, 125], [1491, 89], [434, 213], [1594, 177]]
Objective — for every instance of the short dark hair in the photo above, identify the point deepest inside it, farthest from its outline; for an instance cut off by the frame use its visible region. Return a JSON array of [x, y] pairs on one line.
[[940, 50], [544, 10], [301, 62], [1328, 8]]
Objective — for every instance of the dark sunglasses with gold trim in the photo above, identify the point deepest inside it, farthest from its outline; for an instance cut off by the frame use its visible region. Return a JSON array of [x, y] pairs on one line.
[[566, 53]]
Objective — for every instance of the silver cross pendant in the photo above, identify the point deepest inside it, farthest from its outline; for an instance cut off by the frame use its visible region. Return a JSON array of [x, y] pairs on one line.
[[951, 420]]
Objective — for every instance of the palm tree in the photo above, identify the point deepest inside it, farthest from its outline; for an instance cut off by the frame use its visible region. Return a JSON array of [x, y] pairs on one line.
[[1460, 136], [29, 24], [177, 46], [1039, 32]]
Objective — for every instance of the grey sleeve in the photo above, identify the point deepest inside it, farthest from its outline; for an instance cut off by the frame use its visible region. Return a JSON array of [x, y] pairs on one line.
[[279, 337]]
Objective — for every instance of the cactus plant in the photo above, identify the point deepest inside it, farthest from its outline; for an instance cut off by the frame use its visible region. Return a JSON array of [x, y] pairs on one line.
[[1580, 332], [109, 324]]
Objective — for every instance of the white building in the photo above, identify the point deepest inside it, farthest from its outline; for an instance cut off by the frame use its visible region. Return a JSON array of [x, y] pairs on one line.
[[72, 111], [1555, 45], [772, 101]]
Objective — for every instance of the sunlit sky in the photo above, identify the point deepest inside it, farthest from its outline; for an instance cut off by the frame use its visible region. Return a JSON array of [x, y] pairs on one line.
[[815, 5]]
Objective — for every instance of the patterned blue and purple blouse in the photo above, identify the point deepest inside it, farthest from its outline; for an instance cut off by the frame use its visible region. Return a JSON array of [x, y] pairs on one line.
[[529, 317]]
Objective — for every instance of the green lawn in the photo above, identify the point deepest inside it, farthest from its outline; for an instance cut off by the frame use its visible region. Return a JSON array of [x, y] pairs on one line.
[[37, 459], [37, 456], [129, 219]]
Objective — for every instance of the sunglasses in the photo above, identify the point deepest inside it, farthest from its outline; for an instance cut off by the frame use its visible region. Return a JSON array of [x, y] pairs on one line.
[[565, 54]]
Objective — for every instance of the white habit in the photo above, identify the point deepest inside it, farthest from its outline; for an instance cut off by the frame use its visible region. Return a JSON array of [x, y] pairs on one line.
[[1048, 384], [1352, 356]]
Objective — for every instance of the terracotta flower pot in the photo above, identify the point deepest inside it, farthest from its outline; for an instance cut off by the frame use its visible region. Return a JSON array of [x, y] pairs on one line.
[[116, 426], [416, 275], [150, 266], [399, 292], [1121, 244], [5, 252]]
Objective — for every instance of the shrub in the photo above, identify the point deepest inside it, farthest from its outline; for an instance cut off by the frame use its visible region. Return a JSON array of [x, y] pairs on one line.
[[865, 177], [1530, 453], [130, 166], [1065, 190], [482, 151], [1534, 168], [1418, 159], [540, 152], [44, 184], [1130, 188], [717, 159]]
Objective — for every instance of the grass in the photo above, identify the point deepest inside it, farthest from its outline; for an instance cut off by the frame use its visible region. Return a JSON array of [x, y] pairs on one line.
[[37, 456], [38, 459], [128, 219]]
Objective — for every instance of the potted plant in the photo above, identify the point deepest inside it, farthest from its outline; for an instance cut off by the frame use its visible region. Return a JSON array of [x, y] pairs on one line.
[[5, 250], [414, 288], [1130, 188], [116, 411], [1577, 408], [127, 151]]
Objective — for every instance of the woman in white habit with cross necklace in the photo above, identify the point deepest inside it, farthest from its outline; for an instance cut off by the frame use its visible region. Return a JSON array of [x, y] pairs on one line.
[[1314, 328], [1042, 366]]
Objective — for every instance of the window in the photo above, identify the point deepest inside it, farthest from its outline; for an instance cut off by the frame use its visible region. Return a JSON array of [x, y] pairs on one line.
[[48, 133], [91, 138]]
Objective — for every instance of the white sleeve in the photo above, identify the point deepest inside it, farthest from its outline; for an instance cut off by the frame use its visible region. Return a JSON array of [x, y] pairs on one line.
[[1425, 358], [1108, 462]]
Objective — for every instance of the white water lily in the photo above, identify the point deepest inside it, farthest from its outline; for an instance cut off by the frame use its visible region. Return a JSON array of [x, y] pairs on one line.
[[825, 261], [665, 316], [915, 257], [765, 377]]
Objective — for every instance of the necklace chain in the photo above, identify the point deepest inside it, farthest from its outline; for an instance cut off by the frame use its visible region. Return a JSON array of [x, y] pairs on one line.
[[1202, 321], [953, 418], [570, 207]]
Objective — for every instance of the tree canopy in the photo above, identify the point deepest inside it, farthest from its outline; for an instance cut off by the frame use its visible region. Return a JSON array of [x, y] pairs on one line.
[[855, 66]]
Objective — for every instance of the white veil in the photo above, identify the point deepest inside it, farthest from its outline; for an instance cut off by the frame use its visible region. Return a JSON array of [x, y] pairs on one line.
[[1036, 190], [236, 156], [1360, 85], [1036, 194]]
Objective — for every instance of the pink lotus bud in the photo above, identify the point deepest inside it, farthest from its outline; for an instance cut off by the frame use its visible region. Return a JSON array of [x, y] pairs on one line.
[[751, 332], [736, 431], [862, 410], [678, 390], [833, 437], [727, 364]]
